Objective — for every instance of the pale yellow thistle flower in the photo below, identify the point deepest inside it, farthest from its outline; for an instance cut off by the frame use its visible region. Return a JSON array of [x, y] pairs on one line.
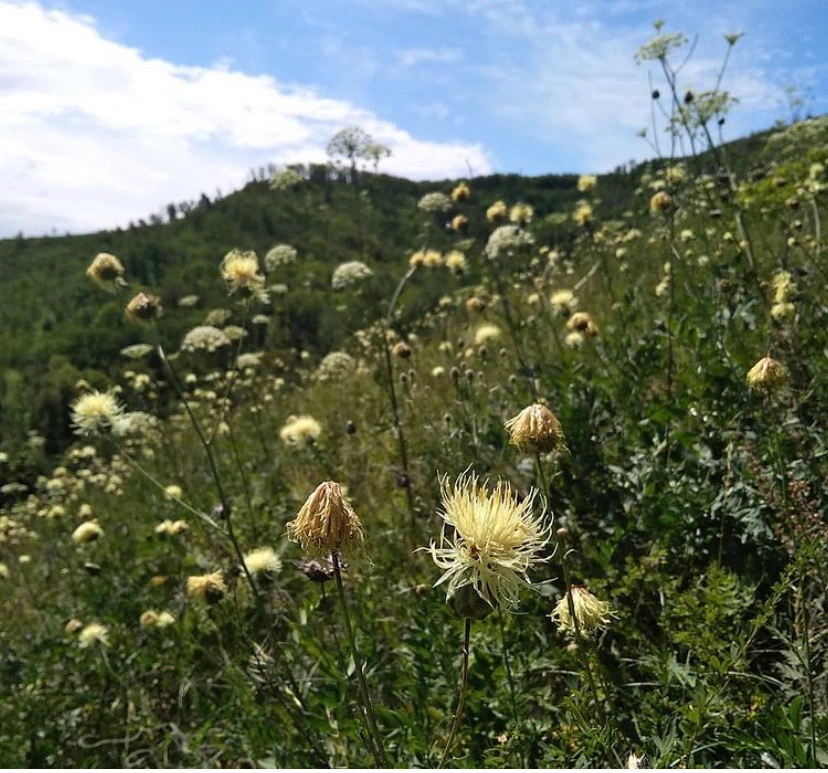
[[72, 627], [574, 340], [107, 272], [461, 192], [489, 540], [590, 613], [563, 301], [148, 619], [486, 333], [97, 413], [262, 561], [535, 430], [587, 183], [173, 491], [783, 287], [766, 374], [240, 271], [582, 214], [459, 223], [660, 202], [521, 214], [94, 633], [300, 431], [782, 311], [87, 532], [582, 322], [164, 619], [497, 212], [456, 262], [171, 528], [207, 587], [144, 309], [426, 258], [326, 523]]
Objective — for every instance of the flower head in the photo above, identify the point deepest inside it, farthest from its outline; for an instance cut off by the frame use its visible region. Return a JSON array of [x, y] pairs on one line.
[[497, 212], [280, 255], [326, 523], [97, 413], [581, 321], [587, 183], [590, 613], [535, 430], [262, 561], [507, 239], [460, 193], [94, 633], [349, 273], [88, 531], [435, 202], [240, 271], [489, 540], [207, 587], [300, 431], [336, 366], [521, 214], [486, 333], [144, 309], [767, 373], [583, 213], [660, 202], [456, 262], [563, 301], [107, 272]]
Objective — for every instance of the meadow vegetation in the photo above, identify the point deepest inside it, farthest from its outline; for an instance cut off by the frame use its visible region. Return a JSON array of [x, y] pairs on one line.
[[345, 470]]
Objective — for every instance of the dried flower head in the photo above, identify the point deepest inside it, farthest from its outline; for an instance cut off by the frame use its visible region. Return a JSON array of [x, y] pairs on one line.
[[88, 531], [94, 633], [766, 374], [240, 271], [107, 272], [207, 587], [590, 613], [263, 561], [300, 431], [581, 321], [326, 523], [489, 540], [336, 366], [535, 430], [97, 413], [144, 309]]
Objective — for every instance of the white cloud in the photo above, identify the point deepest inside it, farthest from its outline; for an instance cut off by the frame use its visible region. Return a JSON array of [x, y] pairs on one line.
[[411, 57], [94, 134]]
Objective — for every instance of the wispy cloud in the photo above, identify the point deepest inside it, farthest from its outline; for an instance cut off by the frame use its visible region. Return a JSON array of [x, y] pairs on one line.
[[93, 133], [412, 57]]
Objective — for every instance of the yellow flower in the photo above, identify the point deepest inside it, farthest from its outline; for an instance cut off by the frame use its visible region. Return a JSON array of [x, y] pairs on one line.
[[326, 523], [535, 430], [88, 531], [262, 561], [767, 373], [486, 333], [521, 214], [660, 202], [459, 223], [489, 540], [582, 214], [456, 262], [300, 431], [97, 412], [587, 183], [563, 301], [590, 613], [94, 633], [496, 212], [460, 193], [240, 271], [207, 587], [581, 321], [144, 309], [148, 619], [107, 272]]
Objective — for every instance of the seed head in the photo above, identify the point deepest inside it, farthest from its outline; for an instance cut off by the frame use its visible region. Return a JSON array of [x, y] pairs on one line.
[[326, 523], [535, 430]]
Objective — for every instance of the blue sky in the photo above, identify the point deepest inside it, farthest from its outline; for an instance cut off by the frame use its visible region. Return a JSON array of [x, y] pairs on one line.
[[112, 108]]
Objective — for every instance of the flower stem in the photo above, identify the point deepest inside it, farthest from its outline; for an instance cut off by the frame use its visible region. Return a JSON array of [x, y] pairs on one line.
[[461, 700], [368, 710], [511, 681]]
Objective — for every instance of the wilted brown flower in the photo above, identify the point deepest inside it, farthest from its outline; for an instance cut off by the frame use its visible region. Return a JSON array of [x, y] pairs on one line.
[[535, 430], [107, 272], [581, 321], [767, 373], [326, 523], [144, 309]]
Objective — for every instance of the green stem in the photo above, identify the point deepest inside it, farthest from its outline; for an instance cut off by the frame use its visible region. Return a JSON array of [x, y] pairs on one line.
[[511, 681], [368, 709], [461, 700]]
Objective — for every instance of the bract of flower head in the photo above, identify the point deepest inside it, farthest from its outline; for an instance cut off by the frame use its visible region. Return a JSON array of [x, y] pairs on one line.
[[489, 541]]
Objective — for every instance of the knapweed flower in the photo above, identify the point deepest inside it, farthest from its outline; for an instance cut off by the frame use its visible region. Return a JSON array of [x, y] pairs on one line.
[[497, 212], [582, 214], [587, 183], [88, 531], [169, 528], [489, 540], [263, 561], [459, 223], [660, 202], [486, 333], [148, 619], [326, 523], [207, 587], [107, 272], [144, 309], [766, 374], [456, 262], [461, 192], [575, 339], [72, 626], [535, 430], [521, 214], [300, 431], [349, 273], [475, 304], [94, 633], [426, 258], [590, 613], [581, 321], [97, 413], [563, 301], [240, 271], [164, 619]]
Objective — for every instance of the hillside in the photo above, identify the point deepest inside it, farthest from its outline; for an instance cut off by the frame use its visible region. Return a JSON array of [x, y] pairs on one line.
[[546, 490]]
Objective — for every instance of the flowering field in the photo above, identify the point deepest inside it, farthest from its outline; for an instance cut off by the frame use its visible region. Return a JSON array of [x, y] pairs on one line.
[[556, 496]]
